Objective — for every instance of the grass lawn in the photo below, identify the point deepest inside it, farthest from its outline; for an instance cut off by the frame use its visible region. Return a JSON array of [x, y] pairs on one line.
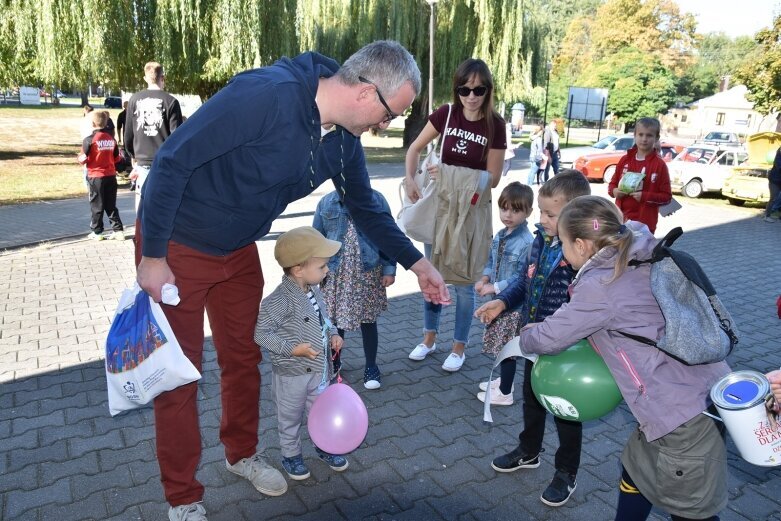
[[38, 149], [39, 145]]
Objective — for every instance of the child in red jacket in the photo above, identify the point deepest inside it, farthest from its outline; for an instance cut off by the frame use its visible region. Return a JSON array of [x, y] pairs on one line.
[[100, 153], [643, 204]]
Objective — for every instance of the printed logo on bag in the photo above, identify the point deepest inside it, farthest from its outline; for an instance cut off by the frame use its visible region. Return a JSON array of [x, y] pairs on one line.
[[125, 356], [130, 391]]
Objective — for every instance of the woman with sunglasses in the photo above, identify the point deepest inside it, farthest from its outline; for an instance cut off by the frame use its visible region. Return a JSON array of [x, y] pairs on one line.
[[475, 139]]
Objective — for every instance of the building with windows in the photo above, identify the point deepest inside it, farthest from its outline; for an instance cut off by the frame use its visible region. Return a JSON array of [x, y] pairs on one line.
[[725, 111]]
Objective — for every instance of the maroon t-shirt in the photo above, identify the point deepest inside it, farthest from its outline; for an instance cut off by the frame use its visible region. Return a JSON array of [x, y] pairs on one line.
[[466, 140]]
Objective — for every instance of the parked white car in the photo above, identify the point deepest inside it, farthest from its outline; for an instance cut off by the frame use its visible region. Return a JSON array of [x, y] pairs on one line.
[[703, 168], [606, 144]]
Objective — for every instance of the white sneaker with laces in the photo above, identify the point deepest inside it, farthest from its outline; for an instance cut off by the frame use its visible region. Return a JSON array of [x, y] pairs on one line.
[[453, 362], [497, 398], [495, 384], [421, 351], [265, 478], [191, 512]]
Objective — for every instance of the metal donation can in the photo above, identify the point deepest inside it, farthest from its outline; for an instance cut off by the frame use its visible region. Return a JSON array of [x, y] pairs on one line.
[[741, 399]]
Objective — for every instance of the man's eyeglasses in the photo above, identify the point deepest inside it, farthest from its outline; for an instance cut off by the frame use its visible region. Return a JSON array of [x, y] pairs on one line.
[[390, 115], [465, 91]]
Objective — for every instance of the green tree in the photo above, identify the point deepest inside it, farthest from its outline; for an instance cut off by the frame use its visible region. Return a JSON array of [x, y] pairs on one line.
[[761, 70], [639, 83], [655, 27]]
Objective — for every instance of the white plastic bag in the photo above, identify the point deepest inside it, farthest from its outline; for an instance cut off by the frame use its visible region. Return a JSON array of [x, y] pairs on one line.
[[631, 182], [143, 357]]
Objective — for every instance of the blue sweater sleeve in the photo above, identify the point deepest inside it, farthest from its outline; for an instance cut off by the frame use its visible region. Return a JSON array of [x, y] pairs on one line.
[[240, 112], [369, 215]]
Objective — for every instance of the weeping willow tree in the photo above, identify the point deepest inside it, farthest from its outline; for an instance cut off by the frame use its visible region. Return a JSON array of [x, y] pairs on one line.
[[504, 34], [202, 43]]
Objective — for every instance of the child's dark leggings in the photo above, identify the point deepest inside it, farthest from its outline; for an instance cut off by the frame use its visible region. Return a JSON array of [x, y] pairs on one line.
[[507, 373], [567, 458], [633, 506], [370, 343]]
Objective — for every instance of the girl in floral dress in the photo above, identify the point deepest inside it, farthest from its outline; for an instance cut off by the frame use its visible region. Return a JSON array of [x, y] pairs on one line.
[[354, 290]]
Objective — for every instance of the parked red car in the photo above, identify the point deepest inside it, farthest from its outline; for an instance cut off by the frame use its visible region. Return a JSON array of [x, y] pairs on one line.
[[601, 167]]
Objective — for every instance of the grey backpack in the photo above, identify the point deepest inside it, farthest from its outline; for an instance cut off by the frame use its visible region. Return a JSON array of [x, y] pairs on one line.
[[698, 328]]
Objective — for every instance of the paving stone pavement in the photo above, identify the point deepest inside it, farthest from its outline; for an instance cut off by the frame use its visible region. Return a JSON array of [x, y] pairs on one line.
[[427, 453]]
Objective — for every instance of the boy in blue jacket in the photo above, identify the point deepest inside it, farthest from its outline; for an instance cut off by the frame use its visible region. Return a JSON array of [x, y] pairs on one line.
[[540, 294]]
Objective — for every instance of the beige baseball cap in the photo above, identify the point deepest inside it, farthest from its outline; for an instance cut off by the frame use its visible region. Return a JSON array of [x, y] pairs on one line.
[[301, 244]]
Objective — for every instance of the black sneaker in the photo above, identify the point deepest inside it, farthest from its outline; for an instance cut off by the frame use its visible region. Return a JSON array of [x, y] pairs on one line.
[[515, 460], [559, 490]]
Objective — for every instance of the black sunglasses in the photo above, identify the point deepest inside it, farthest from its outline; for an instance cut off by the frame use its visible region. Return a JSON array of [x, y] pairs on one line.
[[479, 91], [390, 115]]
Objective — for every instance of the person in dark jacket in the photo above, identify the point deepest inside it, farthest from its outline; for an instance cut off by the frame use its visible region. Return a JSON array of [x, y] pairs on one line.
[[269, 137], [150, 117], [774, 185], [539, 294]]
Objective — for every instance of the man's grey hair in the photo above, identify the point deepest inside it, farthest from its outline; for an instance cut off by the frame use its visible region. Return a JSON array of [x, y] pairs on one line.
[[386, 63]]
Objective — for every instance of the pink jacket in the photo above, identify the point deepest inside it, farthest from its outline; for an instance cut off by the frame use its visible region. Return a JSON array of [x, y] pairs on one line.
[[661, 392]]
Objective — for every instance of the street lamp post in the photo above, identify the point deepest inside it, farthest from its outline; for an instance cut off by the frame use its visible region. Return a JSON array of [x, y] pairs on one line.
[[431, 4], [548, 67]]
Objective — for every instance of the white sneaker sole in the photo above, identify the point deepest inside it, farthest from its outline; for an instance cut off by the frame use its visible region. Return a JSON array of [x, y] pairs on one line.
[[481, 397]]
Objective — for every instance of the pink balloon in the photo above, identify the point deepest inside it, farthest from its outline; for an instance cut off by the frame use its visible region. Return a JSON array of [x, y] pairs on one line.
[[338, 420]]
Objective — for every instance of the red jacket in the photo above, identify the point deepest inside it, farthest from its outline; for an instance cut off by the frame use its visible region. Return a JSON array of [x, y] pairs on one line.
[[100, 153], [656, 188]]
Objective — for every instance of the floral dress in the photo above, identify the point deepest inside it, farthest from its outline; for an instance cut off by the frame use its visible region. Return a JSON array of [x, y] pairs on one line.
[[506, 326], [353, 296]]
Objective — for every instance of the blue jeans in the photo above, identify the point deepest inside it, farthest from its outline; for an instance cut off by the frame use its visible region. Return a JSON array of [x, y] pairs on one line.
[[534, 169], [774, 203], [465, 308]]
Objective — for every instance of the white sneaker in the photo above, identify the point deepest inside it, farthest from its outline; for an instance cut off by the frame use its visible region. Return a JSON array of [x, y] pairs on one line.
[[421, 351], [265, 478], [117, 236], [497, 398], [453, 362], [191, 512], [96, 236], [770, 219], [495, 384]]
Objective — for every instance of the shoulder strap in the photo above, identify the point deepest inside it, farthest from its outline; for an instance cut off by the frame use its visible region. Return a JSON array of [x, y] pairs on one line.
[[444, 131]]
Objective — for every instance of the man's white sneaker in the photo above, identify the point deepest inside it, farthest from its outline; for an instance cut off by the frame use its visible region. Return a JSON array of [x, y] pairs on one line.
[[453, 362], [495, 384], [497, 398], [191, 512], [117, 236], [421, 351], [265, 478]]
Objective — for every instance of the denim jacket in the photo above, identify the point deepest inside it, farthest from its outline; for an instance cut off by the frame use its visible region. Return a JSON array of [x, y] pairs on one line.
[[514, 257], [331, 220], [554, 292]]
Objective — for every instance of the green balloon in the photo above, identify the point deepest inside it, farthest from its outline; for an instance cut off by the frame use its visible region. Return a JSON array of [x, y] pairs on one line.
[[771, 156], [575, 384]]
